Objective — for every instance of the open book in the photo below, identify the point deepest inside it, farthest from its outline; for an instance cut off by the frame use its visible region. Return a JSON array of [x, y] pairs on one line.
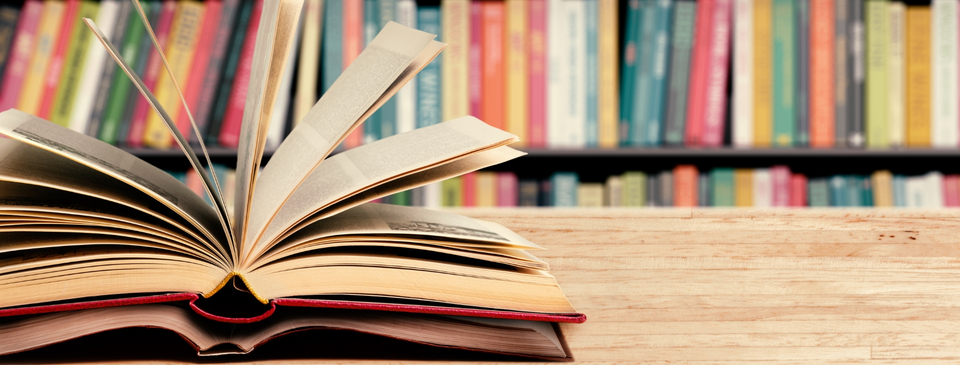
[[93, 238]]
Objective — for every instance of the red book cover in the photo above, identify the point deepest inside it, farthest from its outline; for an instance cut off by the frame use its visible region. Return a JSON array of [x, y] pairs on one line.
[[138, 121], [20, 51], [475, 60], [951, 191], [469, 184], [685, 179], [507, 189], [715, 82], [821, 99], [198, 72], [798, 190], [55, 69], [693, 135], [493, 73], [352, 45], [233, 117], [781, 185], [537, 73]]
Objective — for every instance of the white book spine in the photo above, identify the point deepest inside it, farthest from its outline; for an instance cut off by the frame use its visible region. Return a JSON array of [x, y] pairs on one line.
[[762, 188], [743, 74], [432, 195], [896, 110], [407, 96], [278, 121], [933, 190], [914, 187], [558, 84], [576, 133], [93, 67], [945, 127]]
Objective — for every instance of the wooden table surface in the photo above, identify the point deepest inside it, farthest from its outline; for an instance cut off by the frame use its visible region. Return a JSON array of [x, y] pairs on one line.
[[699, 287]]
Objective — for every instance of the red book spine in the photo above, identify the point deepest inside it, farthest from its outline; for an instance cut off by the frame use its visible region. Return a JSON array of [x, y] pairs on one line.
[[352, 44], [781, 185], [198, 71], [55, 69], [233, 117], [537, 59], [138, 121], [506, 189], [715, 81], [475, 59], [20, 52], [822, 36], [685, 186], [693, 135], [798, 190], [951, 191], [469, 184], [493, 75]]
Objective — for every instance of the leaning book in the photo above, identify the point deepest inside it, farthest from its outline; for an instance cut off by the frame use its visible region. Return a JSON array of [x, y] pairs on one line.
[[94, 239]]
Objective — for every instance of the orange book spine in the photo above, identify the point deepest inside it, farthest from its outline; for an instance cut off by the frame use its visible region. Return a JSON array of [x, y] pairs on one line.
[[822, 124], [55, 69], [918, 76], [352, 46], [492, 51], [685, 179]]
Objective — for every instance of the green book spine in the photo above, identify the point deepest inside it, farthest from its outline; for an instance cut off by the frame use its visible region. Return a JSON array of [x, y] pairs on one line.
[[73, 64], [452, 192], [877, 16], [723, 189], [120, 86], [784, 73], [401, 198], [683, 24], [819, 192], [629, 67], [634, 189]]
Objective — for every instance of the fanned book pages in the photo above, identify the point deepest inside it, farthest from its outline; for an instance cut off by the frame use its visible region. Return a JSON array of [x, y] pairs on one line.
[[94, 239]]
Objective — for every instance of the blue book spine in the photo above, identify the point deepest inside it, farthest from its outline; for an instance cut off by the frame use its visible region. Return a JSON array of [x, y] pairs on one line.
[[332, 43], [838, 191], [592, 125], [371, 24], [428, 80], [628, 76], [899, 191], [658, 73], [644, 72], [564, 189], [387, 12]]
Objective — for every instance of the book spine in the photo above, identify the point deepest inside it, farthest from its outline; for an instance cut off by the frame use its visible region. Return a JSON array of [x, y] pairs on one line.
[[899, 191], [456, 33], [119, 102], [882, 188], [642, 89], [612, 191], [199, 67], [762, 188], [25, 37], [371, 20], [493, 67], [590, 195], [219, 59], [854, 191], [684, 21], [74, 65], [802, 106], [841, 71], [945, 127], [838, 187], [607, 95], [918, 75], [48, 32], [875, 106], [90, 76], [108, 69], [506, 189], [537, 58], [628, 80], [517, 95], [333, 26], [8, 31], [655, 120], [743, 187], [184, 33], [219, 108], [55, 69], [951, 194], [475, 60], [486, 189], [308, 68], [762, 73], [429, 110], [665, 189], [572, 132], [742, 105], [386, 12], [867, 192], [723, 191], [821, 85], [353, 27], [451, 192], [151, 73], [855, 104], [634, 189], [558, 41], [780, 178], [698, 74], [715, 103], [819, 192], [896, 121], [703, 187], [406, 119], [784, 73], [933, 190], [563, 186], [469, 182], [653, 191], [432, 194], [798, 190], [529, 193], [686, 192], [230, 130], [591, 74]]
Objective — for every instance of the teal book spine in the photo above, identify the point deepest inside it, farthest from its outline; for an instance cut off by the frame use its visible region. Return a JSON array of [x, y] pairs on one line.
[[592, 127], [723, 188], [784, 73], [899, 191], [866, 199], [332, 58], [387, 12], [564, 189], [628, 73], [684, 18], [371, 24], [641, 101], [428, 80], [803, 74], [818, 192], [838, 191], [854, 191], [654, 120]]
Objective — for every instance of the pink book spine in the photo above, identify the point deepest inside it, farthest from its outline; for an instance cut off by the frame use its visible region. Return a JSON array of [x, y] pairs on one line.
[[781, 185], [798, 190], [951, 191], [715, 82], [475, 59], [55, 68], [138, 121], [469, 184], [506, 189], [198, 72], [233, 117], [352, 44], [21, 50], [537, 59], [693, 135]]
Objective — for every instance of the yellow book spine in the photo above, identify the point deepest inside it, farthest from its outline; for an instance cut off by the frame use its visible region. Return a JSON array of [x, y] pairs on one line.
[[918, 76], [486, 189], [882, 188], [516, 65], [307, 74], [607, 91], [456, 33], [877, 23], [762, 73], [50, 22], [743, 187], [184, 32]]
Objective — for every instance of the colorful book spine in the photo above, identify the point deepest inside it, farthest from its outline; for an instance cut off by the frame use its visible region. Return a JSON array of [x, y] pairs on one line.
[[634, 189], [8, 31], [665, 188], [818, 191], [743, 187], [802, 107], [115, 112], [642, 89], [698, 74], [607, 95], [877, 27], [684, 20], [537, 63], [517, 95], [686, 191], [944, 128], [219, 62], [90, 75], [882, 188], [821, 85], [199, 67], [386, 12], [591, 75], [48, 31], [333, 27], [780, 179], [469, 182], [456, 33], [899, 191], [612, 191], [838, 191], [475, 60], [660, 44], [558, 63], [108, 69], [230, 130], [151, 73], [486, 189], [742, 104], [563, 189], [57, 59], [855, 102], [529, 193], [507, 189], [951, 190], [866, 192], [653, 191], [918, 100], [371, 127], [703, 187], [573, 113], [762, 188], [73, 65], [798, 190], [854, 191], [841, 72], [723, 187], [896, 67], [429, 110], [451, 191], [590, 195], [493, 67], [308, 68], [762, 73], [715, 84], [353, 30], [631, 53], [784, 73], [26, 33]]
